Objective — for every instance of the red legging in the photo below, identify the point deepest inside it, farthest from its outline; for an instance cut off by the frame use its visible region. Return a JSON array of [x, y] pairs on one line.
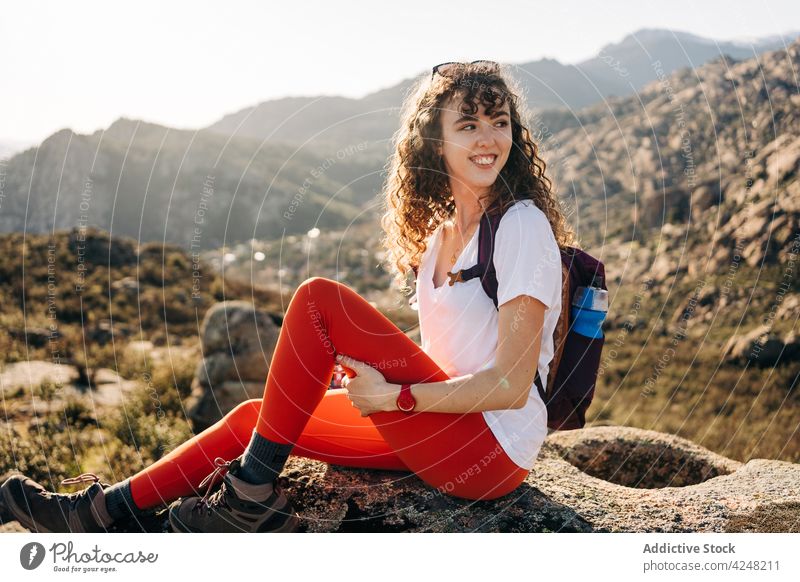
[[455, 453]]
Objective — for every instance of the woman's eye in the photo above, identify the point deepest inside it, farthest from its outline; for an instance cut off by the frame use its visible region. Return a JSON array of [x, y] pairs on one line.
[[504, 123]]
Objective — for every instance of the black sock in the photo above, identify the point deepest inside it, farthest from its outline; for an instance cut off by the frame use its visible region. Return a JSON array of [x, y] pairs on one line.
[[119, 501], [263, 460]]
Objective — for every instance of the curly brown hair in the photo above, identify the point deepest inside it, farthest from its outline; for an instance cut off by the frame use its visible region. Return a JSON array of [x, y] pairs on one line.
[[417, 194]]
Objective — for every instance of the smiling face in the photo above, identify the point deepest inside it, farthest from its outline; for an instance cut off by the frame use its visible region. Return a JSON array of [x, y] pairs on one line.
[[475, 148]]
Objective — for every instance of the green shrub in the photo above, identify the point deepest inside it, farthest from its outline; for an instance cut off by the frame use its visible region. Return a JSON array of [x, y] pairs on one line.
[[145, 424], [46, 454]]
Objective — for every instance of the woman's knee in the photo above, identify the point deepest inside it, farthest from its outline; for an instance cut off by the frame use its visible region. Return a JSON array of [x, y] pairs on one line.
[[316, 290], [322, 284]]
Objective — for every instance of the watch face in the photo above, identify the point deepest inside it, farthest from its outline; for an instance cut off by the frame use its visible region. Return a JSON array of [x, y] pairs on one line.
[[406, 401]]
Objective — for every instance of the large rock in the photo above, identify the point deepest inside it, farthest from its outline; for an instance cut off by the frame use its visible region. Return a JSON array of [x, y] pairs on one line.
[[97, 247], [237, 344], [24, 381], [762, 347], [599, 479]]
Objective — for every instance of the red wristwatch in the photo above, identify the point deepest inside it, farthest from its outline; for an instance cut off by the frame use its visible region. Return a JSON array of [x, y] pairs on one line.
[[406, 401]]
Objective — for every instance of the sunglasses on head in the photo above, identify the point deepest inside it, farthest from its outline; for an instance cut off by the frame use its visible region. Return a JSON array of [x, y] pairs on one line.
[[447, 69]]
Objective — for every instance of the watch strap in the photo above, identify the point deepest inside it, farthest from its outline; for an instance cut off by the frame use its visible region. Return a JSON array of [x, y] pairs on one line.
[[405, 400]]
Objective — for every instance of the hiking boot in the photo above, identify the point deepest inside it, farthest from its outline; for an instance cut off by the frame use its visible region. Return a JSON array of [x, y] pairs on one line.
[[5, 515], [235, 506], [43, 511]]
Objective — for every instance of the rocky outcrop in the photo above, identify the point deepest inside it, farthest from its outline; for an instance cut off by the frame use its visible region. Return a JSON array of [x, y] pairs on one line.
[[107, 391], [728, 190], [97, 247], [599, 479], [762, 347], [237, 345]]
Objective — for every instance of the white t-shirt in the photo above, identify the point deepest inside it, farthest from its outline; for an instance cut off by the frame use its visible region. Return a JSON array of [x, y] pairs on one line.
[[459, 324]]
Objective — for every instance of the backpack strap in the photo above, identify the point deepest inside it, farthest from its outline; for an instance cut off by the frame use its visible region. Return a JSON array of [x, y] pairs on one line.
[[562, 327], [485, 266], [486, 271]]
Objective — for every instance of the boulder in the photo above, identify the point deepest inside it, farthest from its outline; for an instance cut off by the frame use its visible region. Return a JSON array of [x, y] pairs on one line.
[[34, 337], [599, 479], [237, 344], [108, 389], [762, 347], [97, 247]]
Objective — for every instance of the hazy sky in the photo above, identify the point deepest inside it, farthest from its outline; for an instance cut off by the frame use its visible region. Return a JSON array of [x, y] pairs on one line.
[[84, 64]]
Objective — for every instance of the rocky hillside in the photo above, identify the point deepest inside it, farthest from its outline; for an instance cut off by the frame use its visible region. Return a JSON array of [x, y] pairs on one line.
[[701, 151], [197, 189]]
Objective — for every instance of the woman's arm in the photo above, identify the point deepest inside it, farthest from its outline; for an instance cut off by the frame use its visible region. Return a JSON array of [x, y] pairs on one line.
[[504, 386]]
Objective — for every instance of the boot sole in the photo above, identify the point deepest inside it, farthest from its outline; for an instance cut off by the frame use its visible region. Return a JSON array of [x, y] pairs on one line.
[[18, 513], [290, 525]]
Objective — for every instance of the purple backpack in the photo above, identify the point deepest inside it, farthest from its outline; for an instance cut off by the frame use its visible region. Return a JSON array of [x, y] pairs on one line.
[[573, 370]]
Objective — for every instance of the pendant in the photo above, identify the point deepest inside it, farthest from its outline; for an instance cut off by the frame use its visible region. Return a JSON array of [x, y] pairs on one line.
[[455, 277]]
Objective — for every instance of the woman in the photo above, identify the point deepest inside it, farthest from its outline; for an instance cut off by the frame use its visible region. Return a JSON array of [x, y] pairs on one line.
[[471, 428]]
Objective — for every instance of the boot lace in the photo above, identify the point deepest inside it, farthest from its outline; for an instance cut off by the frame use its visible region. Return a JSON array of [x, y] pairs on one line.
[[73, 498], [82, 478], [213, 498]]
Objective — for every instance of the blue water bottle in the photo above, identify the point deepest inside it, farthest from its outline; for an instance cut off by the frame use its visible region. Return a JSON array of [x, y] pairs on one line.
[[589, 309]]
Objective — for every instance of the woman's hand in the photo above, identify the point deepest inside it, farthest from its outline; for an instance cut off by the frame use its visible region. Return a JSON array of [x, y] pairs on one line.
[[368, 390]]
